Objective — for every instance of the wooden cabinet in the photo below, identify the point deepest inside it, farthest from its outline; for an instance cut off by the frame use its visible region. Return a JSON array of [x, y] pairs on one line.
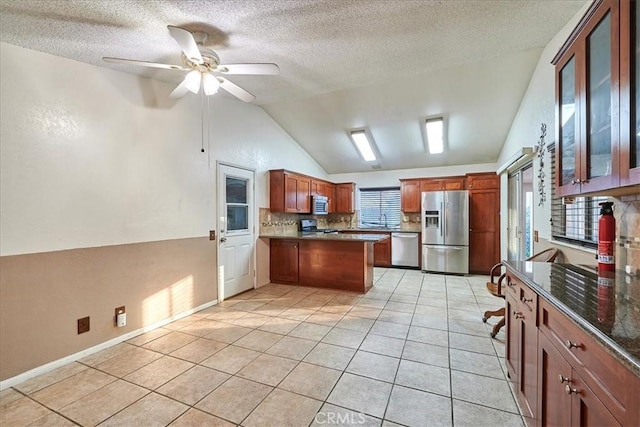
[[411, 189], [562, 374], [629, 93], [440, 184], [289, 192], [565, 398], [522, 333], [382, 253], [597, 138], [284, 261], [324, 188], [410, 193], [381, 250], [484, 222], [345, 197]]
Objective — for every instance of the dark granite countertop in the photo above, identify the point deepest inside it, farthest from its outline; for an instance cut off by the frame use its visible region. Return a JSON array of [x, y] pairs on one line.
[[608, 308], [346, 237]]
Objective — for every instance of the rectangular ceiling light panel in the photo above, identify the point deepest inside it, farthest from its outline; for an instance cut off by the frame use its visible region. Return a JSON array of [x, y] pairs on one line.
[[363, 145], [435, 135]]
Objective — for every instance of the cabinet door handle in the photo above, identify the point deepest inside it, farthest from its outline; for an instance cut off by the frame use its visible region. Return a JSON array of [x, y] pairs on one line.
[[525, 299], [563, 379], [223, 239], [570, 390], [518, 315], [570, 344]]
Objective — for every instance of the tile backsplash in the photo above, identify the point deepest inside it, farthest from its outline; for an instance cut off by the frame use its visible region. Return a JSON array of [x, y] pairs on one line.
[[278, 222], [626, 211]]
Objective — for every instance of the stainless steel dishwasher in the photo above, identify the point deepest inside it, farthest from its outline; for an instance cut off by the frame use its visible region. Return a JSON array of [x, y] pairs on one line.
[[404, 249]]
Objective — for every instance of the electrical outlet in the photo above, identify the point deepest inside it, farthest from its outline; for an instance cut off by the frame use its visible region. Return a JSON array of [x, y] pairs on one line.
[[83, 325], [120, 319], [212, 235]]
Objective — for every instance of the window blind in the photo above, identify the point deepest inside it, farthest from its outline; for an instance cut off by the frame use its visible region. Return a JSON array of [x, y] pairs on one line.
[[380, 207], [574, 219]]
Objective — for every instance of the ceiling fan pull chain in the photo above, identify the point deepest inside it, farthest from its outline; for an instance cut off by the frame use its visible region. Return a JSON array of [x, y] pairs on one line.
[[202, 96]]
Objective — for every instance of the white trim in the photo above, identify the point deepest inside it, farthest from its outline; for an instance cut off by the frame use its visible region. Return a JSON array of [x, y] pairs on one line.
[[10, 382], [522, 156], [572, 246]]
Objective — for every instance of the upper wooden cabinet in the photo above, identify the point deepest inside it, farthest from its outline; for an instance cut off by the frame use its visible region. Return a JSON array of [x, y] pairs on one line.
[[440, 184], [345, 197], [630, 93], [411, 189], [410, 195], [289, 192], [595, 99], [324, 188], [481, 181]]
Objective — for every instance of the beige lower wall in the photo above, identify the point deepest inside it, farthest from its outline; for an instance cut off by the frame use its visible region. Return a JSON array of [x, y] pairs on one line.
[[42, 295]]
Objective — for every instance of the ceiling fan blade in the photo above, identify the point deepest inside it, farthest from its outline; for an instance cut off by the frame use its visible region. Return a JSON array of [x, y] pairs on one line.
[[187, 43], [180, 90], [236, 90], [265, 69], [143, 63]]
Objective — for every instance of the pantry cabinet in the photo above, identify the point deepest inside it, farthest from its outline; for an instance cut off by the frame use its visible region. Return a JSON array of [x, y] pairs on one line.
[[597, 132], [484, 221]]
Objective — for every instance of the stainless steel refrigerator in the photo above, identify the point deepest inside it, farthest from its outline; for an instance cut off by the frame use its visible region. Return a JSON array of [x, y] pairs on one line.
[[445, 231]]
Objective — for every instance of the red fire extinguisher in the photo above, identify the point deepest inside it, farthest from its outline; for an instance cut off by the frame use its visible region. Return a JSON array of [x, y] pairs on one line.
[[606, 238]]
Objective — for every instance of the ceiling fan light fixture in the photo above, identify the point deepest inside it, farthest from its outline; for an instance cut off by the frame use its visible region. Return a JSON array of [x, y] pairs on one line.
[[210, 84], [435, 135], [192, 81], [364, 146]]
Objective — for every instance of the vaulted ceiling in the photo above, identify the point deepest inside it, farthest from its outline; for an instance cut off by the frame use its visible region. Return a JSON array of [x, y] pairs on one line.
[[380, 65]]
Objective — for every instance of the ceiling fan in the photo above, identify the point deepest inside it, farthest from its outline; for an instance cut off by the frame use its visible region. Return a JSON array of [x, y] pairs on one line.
[[202, 65]]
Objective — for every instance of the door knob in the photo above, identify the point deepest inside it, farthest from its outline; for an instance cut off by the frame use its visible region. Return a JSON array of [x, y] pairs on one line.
[[223, 239], [570, 344]]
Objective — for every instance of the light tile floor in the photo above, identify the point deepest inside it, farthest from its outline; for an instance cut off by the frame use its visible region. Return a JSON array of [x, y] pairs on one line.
[[411, 352]]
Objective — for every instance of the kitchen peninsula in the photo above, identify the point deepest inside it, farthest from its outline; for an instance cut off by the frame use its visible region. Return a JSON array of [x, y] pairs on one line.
[[334, 261]]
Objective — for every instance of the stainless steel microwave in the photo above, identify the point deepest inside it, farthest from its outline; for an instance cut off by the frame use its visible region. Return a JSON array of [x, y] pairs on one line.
[[319, 205]]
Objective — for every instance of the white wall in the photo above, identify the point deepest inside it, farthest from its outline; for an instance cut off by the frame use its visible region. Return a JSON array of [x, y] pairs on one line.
[[538, 106], [95, 157]]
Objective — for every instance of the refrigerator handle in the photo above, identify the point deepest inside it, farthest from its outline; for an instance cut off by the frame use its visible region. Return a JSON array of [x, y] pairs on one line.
[[446, 214], [441, 218]]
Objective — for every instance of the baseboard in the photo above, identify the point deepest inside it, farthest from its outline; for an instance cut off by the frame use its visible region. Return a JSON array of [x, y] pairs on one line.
[[10, 382]]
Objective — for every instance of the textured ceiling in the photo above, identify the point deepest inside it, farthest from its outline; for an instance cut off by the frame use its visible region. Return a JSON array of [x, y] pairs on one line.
[[328, 52]]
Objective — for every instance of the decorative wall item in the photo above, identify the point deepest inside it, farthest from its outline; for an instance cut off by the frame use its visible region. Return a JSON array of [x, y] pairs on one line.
[[540, 149]]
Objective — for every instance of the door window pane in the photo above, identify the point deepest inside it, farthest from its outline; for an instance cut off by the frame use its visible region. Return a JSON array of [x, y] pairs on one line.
[[237, 218], [236, 190], [568, 121], [599, 99]]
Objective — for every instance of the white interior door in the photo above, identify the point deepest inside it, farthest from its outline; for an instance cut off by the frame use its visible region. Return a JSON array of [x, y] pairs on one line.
[[236, 241]]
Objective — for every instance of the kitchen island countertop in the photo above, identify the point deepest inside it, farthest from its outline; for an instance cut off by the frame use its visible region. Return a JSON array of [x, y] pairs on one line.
[[348, 237]]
